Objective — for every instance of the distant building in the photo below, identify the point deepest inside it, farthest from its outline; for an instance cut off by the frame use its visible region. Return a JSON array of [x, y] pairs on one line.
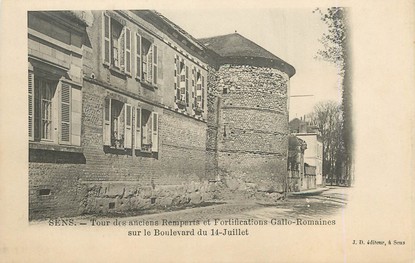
[[127, 111], [314, 154], [296, 172]]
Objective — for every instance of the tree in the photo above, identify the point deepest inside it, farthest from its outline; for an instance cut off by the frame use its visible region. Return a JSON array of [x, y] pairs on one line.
[[335, 49], [327, 116]]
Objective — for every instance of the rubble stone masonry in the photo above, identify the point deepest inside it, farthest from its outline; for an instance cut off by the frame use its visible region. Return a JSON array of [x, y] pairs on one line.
[[252, 129]]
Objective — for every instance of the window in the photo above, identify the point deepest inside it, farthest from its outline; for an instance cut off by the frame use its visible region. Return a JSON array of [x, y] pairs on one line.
[[54, 110], [199, 99], [117, 124], [121, 121], [181, 83], [117, 44], [146, 60], [146, 131], [46, 90]]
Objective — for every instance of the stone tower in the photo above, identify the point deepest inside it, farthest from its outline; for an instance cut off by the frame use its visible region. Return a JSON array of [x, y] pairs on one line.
[[251, 124]]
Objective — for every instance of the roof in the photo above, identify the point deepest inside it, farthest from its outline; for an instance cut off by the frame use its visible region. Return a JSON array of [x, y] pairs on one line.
[[294, 141], [237, 46], [175, 32]]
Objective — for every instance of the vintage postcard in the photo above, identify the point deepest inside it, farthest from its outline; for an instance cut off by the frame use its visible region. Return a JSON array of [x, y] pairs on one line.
[[207, 131]]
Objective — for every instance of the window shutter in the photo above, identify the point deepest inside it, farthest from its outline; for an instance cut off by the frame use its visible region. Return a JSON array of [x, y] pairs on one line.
[[121, 49], [193, 88], [182, 80], [128, 135], [203, 92], [128, 50], [155, 133], [65, 116], [106, 31], [177, 78], [150, 65], [187, 86], [31, 105], [138, 129], [138, 56], [107, 122], [155, 64]]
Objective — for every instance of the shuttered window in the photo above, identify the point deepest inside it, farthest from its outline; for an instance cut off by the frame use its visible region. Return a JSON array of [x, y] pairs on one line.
[[106, 47], [155, 64], [31, 105], [182, 81], [118, 124], [155, 139], [138, 56], [65, 116], [128, 126], [55, 109], [187, 85], [150, 65], [176, 78], [193, 87], [138, 129], [107, 122], [128, 50], [203, 92], [47, 93]]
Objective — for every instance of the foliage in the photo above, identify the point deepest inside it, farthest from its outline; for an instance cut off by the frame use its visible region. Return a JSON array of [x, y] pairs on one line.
[[333, 42], [327, 116], [335, 50]]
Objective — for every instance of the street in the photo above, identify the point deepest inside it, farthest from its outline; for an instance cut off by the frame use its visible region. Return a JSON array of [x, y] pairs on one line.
[[327, 204]]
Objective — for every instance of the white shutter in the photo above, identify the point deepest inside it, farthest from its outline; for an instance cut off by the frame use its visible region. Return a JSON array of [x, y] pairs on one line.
[[203, 92], [127, 50], [155, 133], [121, 50], [128, 135], [150, 65], [182, 80], [107, 122], [194, 87], [138, 56], [176, 78], [106, 33], [187, 85], [138, 129], [65, 114], [155, 64], [31, 105]]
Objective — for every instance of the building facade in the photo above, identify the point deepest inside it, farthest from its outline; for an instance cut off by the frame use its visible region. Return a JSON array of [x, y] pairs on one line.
[[124, 115], [314, 154]]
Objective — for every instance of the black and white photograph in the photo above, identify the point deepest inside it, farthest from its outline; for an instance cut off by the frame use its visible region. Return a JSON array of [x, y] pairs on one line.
[[167, 127], [130, 114]]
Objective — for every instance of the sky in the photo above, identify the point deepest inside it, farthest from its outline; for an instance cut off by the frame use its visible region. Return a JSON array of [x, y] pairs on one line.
[[290, 34]]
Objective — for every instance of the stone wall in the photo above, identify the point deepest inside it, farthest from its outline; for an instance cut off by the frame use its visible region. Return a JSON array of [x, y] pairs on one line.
[[98, 181], [126, 181], [252, 130]]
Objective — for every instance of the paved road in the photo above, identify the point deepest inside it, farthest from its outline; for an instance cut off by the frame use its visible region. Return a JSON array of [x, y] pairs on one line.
[[325, 205]]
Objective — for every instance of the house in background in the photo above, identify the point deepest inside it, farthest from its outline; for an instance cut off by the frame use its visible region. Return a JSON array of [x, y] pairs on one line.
[[127, 111], [313, 156], [296, 172]]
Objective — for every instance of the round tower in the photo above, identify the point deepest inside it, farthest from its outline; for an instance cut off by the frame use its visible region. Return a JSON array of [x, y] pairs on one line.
[[252, 135]]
